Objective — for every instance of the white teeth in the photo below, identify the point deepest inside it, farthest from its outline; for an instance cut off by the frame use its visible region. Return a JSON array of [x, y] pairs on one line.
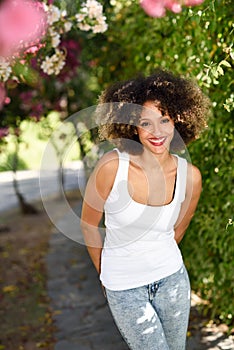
[[161, 139]]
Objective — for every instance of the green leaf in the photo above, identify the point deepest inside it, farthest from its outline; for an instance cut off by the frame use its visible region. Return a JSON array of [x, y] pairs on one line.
[[220, 70], [225, 63], [27, 74]]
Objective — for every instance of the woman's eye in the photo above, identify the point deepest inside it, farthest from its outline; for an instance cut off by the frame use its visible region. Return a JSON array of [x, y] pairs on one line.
[[165, 120], [145, 124]]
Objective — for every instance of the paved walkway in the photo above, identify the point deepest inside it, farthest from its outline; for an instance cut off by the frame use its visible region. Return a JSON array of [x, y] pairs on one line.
[[82, 316], [34, 184]]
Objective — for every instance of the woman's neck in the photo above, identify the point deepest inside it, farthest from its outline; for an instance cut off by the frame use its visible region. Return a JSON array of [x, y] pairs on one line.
[[148, 160]]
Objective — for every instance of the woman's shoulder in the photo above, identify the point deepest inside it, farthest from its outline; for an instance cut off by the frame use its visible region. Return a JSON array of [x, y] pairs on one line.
[[103, 176], [194, 178], [107, 165], [109, 159], [193, 172]]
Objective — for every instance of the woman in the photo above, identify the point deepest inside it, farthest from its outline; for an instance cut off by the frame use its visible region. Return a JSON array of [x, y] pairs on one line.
[[149, 196]]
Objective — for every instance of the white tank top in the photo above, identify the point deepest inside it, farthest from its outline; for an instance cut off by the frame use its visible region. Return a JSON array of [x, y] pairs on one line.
[[139, 246]]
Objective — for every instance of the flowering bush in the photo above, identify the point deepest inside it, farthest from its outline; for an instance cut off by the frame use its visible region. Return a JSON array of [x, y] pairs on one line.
[[34, 37], [34, 40], [91, 17], [157, 8]]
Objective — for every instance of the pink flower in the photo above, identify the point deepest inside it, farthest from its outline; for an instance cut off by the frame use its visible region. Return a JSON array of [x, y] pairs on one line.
[[174, 6], [26, 98], [2, 95], [153, 8], [192, 2], [22, 24], [7, 100], [37, 111], [157, 8], [4, 132], [34, 49]]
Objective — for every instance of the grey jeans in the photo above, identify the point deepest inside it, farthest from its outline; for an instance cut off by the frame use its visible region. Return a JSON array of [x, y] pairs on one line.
[[154, 316]]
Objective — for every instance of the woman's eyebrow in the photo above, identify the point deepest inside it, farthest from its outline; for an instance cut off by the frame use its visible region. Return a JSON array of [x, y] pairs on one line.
[[157, 115]]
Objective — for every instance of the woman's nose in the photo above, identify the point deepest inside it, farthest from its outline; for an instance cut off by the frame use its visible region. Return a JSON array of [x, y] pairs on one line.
[[156, 129]]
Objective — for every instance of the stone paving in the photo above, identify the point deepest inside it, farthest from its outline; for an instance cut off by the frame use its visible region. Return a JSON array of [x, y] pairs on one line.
[[82, 317]]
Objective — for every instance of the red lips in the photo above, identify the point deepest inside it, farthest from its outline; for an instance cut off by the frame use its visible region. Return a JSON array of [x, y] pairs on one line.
[[157, 141]]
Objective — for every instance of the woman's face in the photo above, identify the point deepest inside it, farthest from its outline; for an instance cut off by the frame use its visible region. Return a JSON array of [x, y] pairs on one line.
[[155, 130]]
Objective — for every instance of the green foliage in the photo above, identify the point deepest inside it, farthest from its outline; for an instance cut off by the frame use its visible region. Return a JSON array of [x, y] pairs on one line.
[[196, 43], [208, 245], [33, 140], [61, 136], [7, 160]]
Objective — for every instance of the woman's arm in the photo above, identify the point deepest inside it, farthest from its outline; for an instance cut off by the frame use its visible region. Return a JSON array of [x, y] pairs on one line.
[[97, 190], [193, 191]]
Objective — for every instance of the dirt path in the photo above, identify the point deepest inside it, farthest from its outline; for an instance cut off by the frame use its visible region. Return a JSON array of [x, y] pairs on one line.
[[26, 316]]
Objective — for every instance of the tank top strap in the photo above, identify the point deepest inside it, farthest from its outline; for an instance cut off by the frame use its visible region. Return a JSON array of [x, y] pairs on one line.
[[122, 172], [182, 177]]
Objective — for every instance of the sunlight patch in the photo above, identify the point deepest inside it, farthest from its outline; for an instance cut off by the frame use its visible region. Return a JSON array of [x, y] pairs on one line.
[[150, 330], [148, 314], [174, 293]]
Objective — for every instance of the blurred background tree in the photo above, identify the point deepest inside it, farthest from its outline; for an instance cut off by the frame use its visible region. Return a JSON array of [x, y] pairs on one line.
[[41, 72], [196, 43]]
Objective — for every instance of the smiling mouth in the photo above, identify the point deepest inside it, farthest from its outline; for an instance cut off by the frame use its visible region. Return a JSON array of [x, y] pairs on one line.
[[157, 141]]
